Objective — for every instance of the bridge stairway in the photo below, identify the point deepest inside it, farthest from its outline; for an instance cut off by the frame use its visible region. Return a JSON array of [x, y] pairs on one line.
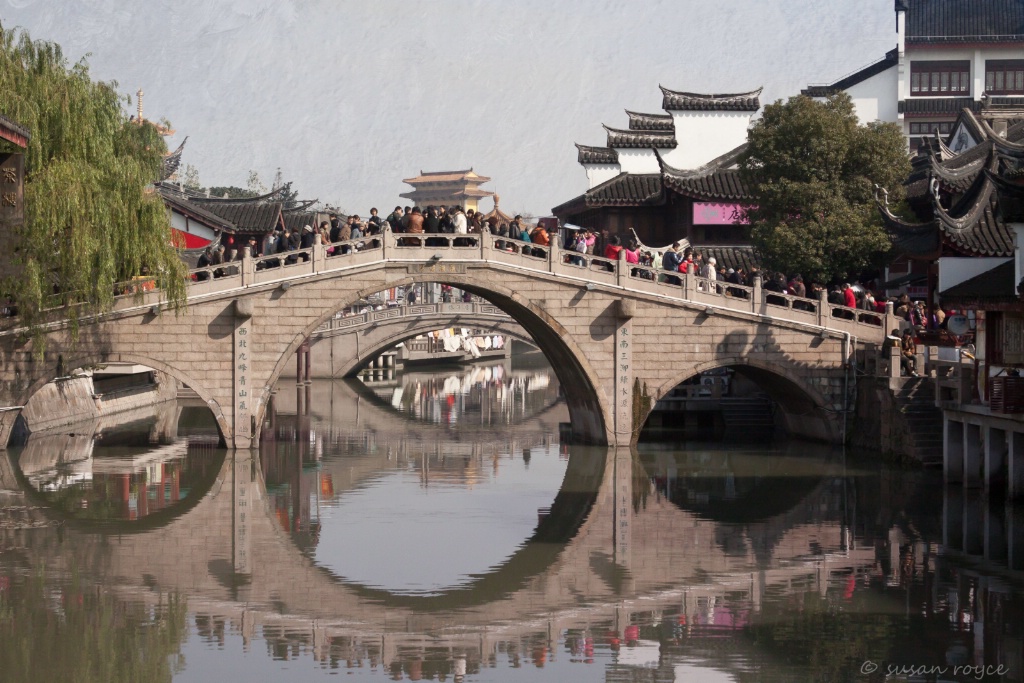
[[922, 420], [748, 418]]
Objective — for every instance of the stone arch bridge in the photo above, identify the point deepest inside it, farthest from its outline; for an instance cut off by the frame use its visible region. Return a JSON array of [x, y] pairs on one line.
[[344, 345], [618, 337]]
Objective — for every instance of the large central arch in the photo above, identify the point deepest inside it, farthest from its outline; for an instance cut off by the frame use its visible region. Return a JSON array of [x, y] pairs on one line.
[[591, 422]]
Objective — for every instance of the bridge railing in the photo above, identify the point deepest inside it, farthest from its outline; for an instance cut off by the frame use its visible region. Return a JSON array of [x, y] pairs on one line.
[[437, 252]]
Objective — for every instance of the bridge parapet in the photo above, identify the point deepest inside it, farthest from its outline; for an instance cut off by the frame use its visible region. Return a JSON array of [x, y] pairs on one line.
[[443, 254]]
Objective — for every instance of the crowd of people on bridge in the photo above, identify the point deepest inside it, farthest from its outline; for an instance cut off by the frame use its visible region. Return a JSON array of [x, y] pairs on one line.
[[340, 235]]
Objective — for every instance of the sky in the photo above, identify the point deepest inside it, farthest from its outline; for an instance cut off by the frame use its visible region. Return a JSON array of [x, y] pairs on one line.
[[348, 98]]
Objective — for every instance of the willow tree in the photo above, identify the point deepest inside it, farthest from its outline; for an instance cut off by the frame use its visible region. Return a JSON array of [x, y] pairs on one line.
[[92, 218], [811, 171]]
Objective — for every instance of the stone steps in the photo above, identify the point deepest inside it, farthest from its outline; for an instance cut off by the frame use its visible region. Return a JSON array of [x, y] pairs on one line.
[[748, 418], [915, 398]]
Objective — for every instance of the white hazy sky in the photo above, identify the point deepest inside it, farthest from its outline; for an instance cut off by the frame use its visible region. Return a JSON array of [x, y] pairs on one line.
[[348, 98]]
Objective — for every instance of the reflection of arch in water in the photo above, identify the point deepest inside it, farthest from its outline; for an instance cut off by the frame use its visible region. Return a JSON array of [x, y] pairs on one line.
[[569, 512], [97, 357], [805, 410], [367, 393], [766, 503], [159, 518]]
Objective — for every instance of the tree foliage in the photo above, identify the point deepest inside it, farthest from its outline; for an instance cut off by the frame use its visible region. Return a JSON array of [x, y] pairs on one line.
[[92, 218], [811, 170]]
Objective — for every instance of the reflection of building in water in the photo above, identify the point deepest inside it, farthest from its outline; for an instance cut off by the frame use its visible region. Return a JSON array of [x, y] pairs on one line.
[[481, 394]]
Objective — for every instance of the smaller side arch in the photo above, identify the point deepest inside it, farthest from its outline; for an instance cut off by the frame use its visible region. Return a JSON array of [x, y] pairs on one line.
[[807, 412], [98, 359]]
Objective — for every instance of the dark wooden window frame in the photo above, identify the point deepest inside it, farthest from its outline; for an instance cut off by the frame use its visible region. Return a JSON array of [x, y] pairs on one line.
[[938, 79], [1004, 76]]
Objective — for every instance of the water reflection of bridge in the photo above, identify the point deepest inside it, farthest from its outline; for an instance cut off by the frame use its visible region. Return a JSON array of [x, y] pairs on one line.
[[231, 556], [348, 414]]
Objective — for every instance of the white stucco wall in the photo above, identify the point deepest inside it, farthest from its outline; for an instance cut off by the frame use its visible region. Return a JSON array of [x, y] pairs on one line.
[[638, 160], [703, 136], [600, 173], [874, 99], [182, 223], [956, 269]]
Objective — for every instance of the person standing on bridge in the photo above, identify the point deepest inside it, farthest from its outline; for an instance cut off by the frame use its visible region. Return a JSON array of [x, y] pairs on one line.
[[395, 219]]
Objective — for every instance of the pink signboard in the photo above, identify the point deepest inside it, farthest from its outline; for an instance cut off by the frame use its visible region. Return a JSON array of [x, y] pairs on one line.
[[707, 213]]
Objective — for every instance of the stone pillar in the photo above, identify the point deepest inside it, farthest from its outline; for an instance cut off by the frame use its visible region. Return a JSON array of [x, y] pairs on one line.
[[622, 357], [995, 534], [243, 495], [757, 296], [972, 455], [974, 523], [621, 271], [388, 242], [953, 518], [1015, 466], [824, 313], [953, 450], [1014, 537], [242, 428], [995, 457], [622, 511]]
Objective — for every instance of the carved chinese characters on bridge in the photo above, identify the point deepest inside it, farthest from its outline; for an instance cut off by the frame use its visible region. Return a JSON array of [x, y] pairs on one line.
[[623, 394], [12, 172], [243, 386]]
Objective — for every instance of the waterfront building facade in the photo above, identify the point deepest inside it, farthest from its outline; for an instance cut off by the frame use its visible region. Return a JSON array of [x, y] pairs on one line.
[[672, 176], [948, 56]]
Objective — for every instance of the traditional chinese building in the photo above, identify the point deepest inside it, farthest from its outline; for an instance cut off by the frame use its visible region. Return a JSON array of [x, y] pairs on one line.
[[957, 230], [447, 188], [949, 55], [12, 185], [672, 176]]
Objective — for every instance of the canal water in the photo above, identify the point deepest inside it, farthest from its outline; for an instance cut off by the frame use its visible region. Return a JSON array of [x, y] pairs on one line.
[[433, 526]]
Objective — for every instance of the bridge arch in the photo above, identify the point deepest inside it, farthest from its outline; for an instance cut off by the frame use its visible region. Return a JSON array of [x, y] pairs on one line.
[[351, 365], [806, 411], [589, 413], [83, 360]]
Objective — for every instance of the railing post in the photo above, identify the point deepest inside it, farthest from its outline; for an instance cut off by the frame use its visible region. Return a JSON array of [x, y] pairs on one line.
[[553, 254], [319, 257], [890, 318], [757, 295], [621, 272], [248, 268], [387, 242], [688, 284], [486, 244], [824, 313]]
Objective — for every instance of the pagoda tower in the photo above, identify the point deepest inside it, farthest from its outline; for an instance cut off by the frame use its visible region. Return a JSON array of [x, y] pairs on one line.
[[445, 188]]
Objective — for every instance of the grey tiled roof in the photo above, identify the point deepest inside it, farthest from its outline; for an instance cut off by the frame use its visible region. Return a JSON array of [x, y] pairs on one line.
[[248, 216], [176, 200], [673, 100], [928, 106], [718, 179], [597, 155], [944, 21], [638, 121], [719, 184], [728, 256], [627, 189], [890, 60], [640, 138]]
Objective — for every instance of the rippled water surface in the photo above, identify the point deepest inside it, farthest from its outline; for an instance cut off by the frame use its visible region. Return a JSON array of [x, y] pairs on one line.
[[433, 527]]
